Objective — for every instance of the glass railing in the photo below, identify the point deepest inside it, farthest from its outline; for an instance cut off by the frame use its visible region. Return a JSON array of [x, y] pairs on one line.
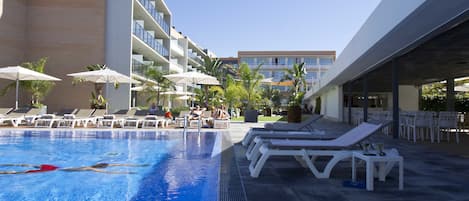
[[138, 68], [154, 13], [194, 56], [149, 39]]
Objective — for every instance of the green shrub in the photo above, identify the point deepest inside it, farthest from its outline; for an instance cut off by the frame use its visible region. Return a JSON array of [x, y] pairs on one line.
[[177, 110]]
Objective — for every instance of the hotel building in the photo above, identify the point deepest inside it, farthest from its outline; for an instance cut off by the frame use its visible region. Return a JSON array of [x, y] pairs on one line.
[[128, 36], [274, 63]]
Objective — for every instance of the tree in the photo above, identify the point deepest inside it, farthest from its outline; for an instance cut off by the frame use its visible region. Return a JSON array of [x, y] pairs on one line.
[[38, 88], [271, 97], [216, 95], [297, 76], [162, 84], [211, 67], [250, 81], [234, 93]]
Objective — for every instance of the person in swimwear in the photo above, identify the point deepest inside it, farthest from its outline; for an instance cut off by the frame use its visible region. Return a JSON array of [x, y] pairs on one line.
[[47, 167]]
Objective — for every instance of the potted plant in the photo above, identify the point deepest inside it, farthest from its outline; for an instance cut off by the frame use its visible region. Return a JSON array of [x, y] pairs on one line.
[[38, 88], [250, 80], [297, 76]]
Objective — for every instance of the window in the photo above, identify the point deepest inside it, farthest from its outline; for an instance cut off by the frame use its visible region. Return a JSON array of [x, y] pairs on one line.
[[275, 61], [282, 60], [248, 60], [311, 61], [325, 61], [264, 60], [267, 74], [293, 60], [310, 76]]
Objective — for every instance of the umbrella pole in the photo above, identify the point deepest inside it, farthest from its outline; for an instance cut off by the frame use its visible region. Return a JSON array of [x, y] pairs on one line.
[[17, 86], [105, 95]]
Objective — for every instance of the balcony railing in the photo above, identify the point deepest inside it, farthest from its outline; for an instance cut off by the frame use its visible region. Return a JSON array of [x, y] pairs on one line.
[[154, 13], [149, 39], [194, 56], [138, 68]]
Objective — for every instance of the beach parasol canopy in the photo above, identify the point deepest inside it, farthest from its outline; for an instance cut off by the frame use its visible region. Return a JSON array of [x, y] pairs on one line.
[[178, 93], [192, 78], [19, 73], [104, 76]]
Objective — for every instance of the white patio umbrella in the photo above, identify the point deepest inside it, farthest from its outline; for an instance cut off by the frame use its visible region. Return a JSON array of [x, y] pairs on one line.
[[185, 97], [141, 88], [178, 93], [19, 73], [192, 78], [104, 76]]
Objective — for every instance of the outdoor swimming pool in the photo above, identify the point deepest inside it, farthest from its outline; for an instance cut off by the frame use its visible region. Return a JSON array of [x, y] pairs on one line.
[[179, 166]]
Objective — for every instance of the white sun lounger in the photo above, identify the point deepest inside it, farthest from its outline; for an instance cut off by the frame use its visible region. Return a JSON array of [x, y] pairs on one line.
[[308, 150], [16, 117], [152, 121], [82, 117], [304, 127], [296, 135], [45, 121], [109, 121]]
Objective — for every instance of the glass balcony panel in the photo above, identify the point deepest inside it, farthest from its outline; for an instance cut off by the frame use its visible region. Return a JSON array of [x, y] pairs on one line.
[[147, 38], [156, 16]]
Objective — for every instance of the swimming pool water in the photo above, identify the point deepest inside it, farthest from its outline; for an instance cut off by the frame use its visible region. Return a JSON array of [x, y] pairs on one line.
[[180, 166]]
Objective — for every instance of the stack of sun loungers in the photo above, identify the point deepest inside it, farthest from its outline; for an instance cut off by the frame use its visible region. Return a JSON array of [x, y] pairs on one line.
[[307, 150], [281, 129]]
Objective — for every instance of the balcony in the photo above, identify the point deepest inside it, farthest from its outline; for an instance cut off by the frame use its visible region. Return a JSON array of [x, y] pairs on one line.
[[151, 9], [149, 39], [176, 67], [176, 49], [194, 57]]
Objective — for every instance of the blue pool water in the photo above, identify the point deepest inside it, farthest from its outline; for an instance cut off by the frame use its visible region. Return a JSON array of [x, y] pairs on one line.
[[179, 166]]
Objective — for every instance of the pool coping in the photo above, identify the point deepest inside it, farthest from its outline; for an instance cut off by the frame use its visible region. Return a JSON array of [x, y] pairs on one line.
[[231, 187]]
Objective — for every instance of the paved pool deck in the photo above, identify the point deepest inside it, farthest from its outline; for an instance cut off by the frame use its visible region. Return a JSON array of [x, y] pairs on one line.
[[431, 172]]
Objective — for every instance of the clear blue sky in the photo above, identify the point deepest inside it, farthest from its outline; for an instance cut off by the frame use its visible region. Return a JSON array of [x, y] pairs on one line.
[[227, 26]]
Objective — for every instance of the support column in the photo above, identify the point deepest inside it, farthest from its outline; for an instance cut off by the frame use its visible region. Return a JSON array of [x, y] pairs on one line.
[[365, 96], [395, 99], [450, 98], [349, 102]]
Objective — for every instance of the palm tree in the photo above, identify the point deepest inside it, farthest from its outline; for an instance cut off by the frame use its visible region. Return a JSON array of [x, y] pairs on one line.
[[297, 76], [211, 67], [234, 92], [251, 80], [298, 90], [162, 84], [38, 88]]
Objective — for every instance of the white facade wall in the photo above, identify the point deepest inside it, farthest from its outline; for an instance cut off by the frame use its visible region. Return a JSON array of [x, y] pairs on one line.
[[119, 54], [332, 103]]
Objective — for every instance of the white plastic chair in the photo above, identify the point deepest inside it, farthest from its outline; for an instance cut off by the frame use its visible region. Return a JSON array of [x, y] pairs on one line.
[[446, 122]]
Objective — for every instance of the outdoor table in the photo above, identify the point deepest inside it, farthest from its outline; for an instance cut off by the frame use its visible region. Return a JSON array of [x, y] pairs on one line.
[[384, 166]]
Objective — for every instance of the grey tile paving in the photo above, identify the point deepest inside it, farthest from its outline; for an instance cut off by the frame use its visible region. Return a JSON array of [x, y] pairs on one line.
[[431, 172]]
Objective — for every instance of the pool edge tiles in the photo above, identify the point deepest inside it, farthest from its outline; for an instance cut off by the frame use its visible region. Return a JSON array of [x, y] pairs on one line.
[[199, 151]]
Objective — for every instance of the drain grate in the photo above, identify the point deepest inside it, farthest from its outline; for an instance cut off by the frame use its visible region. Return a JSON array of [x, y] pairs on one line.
[[230, 185]]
